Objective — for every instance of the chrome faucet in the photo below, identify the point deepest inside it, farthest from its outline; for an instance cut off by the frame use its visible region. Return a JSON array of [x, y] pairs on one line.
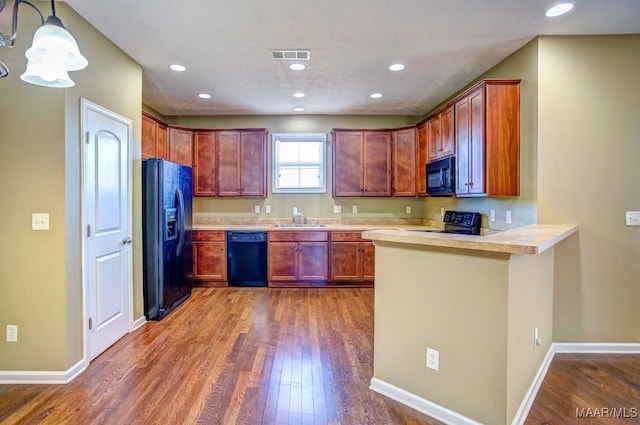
[[297, 217]]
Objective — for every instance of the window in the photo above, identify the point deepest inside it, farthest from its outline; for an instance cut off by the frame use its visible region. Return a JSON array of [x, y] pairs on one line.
[[298, 163]]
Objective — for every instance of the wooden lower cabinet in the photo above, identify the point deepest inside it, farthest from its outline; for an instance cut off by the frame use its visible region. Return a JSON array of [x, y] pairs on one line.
[[297, 257], [209, 258], [352, 259]]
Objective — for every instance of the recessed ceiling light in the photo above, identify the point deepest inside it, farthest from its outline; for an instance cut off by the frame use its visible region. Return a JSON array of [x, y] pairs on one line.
[[204, 96], [297, 66], [298, 94], [397, 67], [559, 8], [376, 95], [298, 109], [177, 67]]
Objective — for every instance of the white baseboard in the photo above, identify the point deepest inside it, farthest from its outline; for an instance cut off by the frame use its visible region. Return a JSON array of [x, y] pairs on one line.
[[139, 322], [450, 417], [597, 347], [530, 395], [420, 404], [42, 377]]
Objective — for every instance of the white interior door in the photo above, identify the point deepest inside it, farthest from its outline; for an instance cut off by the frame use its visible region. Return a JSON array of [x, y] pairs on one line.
[[106, 212]]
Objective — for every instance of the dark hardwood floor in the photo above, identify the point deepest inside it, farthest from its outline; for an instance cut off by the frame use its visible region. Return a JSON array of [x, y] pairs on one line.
[[283, 356], [589, 389], [229, 356]]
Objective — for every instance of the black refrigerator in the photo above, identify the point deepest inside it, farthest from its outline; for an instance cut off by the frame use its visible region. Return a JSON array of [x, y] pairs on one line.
[[167, 236]]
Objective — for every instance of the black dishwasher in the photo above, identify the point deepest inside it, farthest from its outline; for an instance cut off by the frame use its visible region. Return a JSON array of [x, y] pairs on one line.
[[247, 258]]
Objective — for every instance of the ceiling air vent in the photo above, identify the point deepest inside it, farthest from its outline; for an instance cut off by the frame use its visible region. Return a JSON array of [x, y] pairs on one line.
[[290, 54]]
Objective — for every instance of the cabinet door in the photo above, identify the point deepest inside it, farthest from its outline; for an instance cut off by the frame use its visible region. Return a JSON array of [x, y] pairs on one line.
[[347, 163], [377, 163], [422, 159], [162, 141], [253, 163], [463, 120], [210, 261], [345, 261], [180, 146], [447, 142], [368, 261], [148, 137], [283, 261], [404, 162], [433, 138], [476, 143], [204, 163], [228, 160], [313, 259]]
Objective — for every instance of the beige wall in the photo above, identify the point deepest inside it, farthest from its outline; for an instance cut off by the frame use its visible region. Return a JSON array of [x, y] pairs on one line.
[[522, 64], [479, 310], [316, 205], [40, 272], [589, 174]]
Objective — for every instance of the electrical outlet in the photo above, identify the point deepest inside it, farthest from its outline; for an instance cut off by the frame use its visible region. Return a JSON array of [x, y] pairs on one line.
[[12, 333], [508, 218], [492, 215], [267, 209], [354, 209], [40, 221], [256, 209], [442, 212], [632, 218], [337, 209], [433, 359], [407, 209]]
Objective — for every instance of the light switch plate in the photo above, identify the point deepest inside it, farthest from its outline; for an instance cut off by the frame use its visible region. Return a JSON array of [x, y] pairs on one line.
[[40, 221], [12, 333], [337, 209], [354, 209], [508, 219], [492, 215], [632, 218], [267, 209], [407, 209], [256, 209]]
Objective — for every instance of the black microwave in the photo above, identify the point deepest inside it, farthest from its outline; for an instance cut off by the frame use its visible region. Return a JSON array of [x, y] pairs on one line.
[[441, 177]]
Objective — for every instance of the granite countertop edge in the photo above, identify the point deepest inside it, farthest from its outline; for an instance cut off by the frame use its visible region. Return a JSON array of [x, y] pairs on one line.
[[531, 239]]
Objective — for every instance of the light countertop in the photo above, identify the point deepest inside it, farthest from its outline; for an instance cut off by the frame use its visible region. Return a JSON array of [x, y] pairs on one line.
[[532, 239]]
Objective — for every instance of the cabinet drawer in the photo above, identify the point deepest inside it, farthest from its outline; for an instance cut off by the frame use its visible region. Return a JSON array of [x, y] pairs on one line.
[[208, 235], [301, 236], [346, 236]]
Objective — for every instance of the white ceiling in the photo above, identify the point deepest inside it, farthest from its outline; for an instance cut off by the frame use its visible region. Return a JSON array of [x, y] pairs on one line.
[[225, 46]]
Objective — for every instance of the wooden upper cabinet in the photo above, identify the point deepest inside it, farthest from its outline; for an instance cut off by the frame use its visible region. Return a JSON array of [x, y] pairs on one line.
[[377, 163], [241, 158], [361, 163], [347, 163], [440, 134], [204, 163], [181, 146], [422, 157], [487, 123], [253, 151], [404, 162], [154, 138]]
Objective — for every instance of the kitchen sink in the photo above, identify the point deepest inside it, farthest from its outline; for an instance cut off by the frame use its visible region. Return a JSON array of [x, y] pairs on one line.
[[291, 225]]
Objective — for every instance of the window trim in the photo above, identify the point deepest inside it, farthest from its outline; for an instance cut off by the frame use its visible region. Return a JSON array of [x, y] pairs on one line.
[[299, 137]]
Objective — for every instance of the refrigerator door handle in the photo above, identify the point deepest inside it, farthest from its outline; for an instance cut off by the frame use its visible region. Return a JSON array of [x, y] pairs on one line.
[[180, 202]]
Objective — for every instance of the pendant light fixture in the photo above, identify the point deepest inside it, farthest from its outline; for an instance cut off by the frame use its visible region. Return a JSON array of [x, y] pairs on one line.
[[53, 52]]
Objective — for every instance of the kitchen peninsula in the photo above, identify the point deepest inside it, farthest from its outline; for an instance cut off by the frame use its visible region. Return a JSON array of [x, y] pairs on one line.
[[480, 302]]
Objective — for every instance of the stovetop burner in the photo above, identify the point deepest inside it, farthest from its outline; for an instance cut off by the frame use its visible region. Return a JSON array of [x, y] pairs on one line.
[[461, 223], [464, 223]]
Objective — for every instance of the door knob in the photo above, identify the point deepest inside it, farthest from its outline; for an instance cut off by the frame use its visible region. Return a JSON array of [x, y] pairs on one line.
[[126, 240]]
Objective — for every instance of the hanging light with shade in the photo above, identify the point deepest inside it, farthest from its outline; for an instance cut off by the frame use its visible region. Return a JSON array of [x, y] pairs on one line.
[[53, 53]]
